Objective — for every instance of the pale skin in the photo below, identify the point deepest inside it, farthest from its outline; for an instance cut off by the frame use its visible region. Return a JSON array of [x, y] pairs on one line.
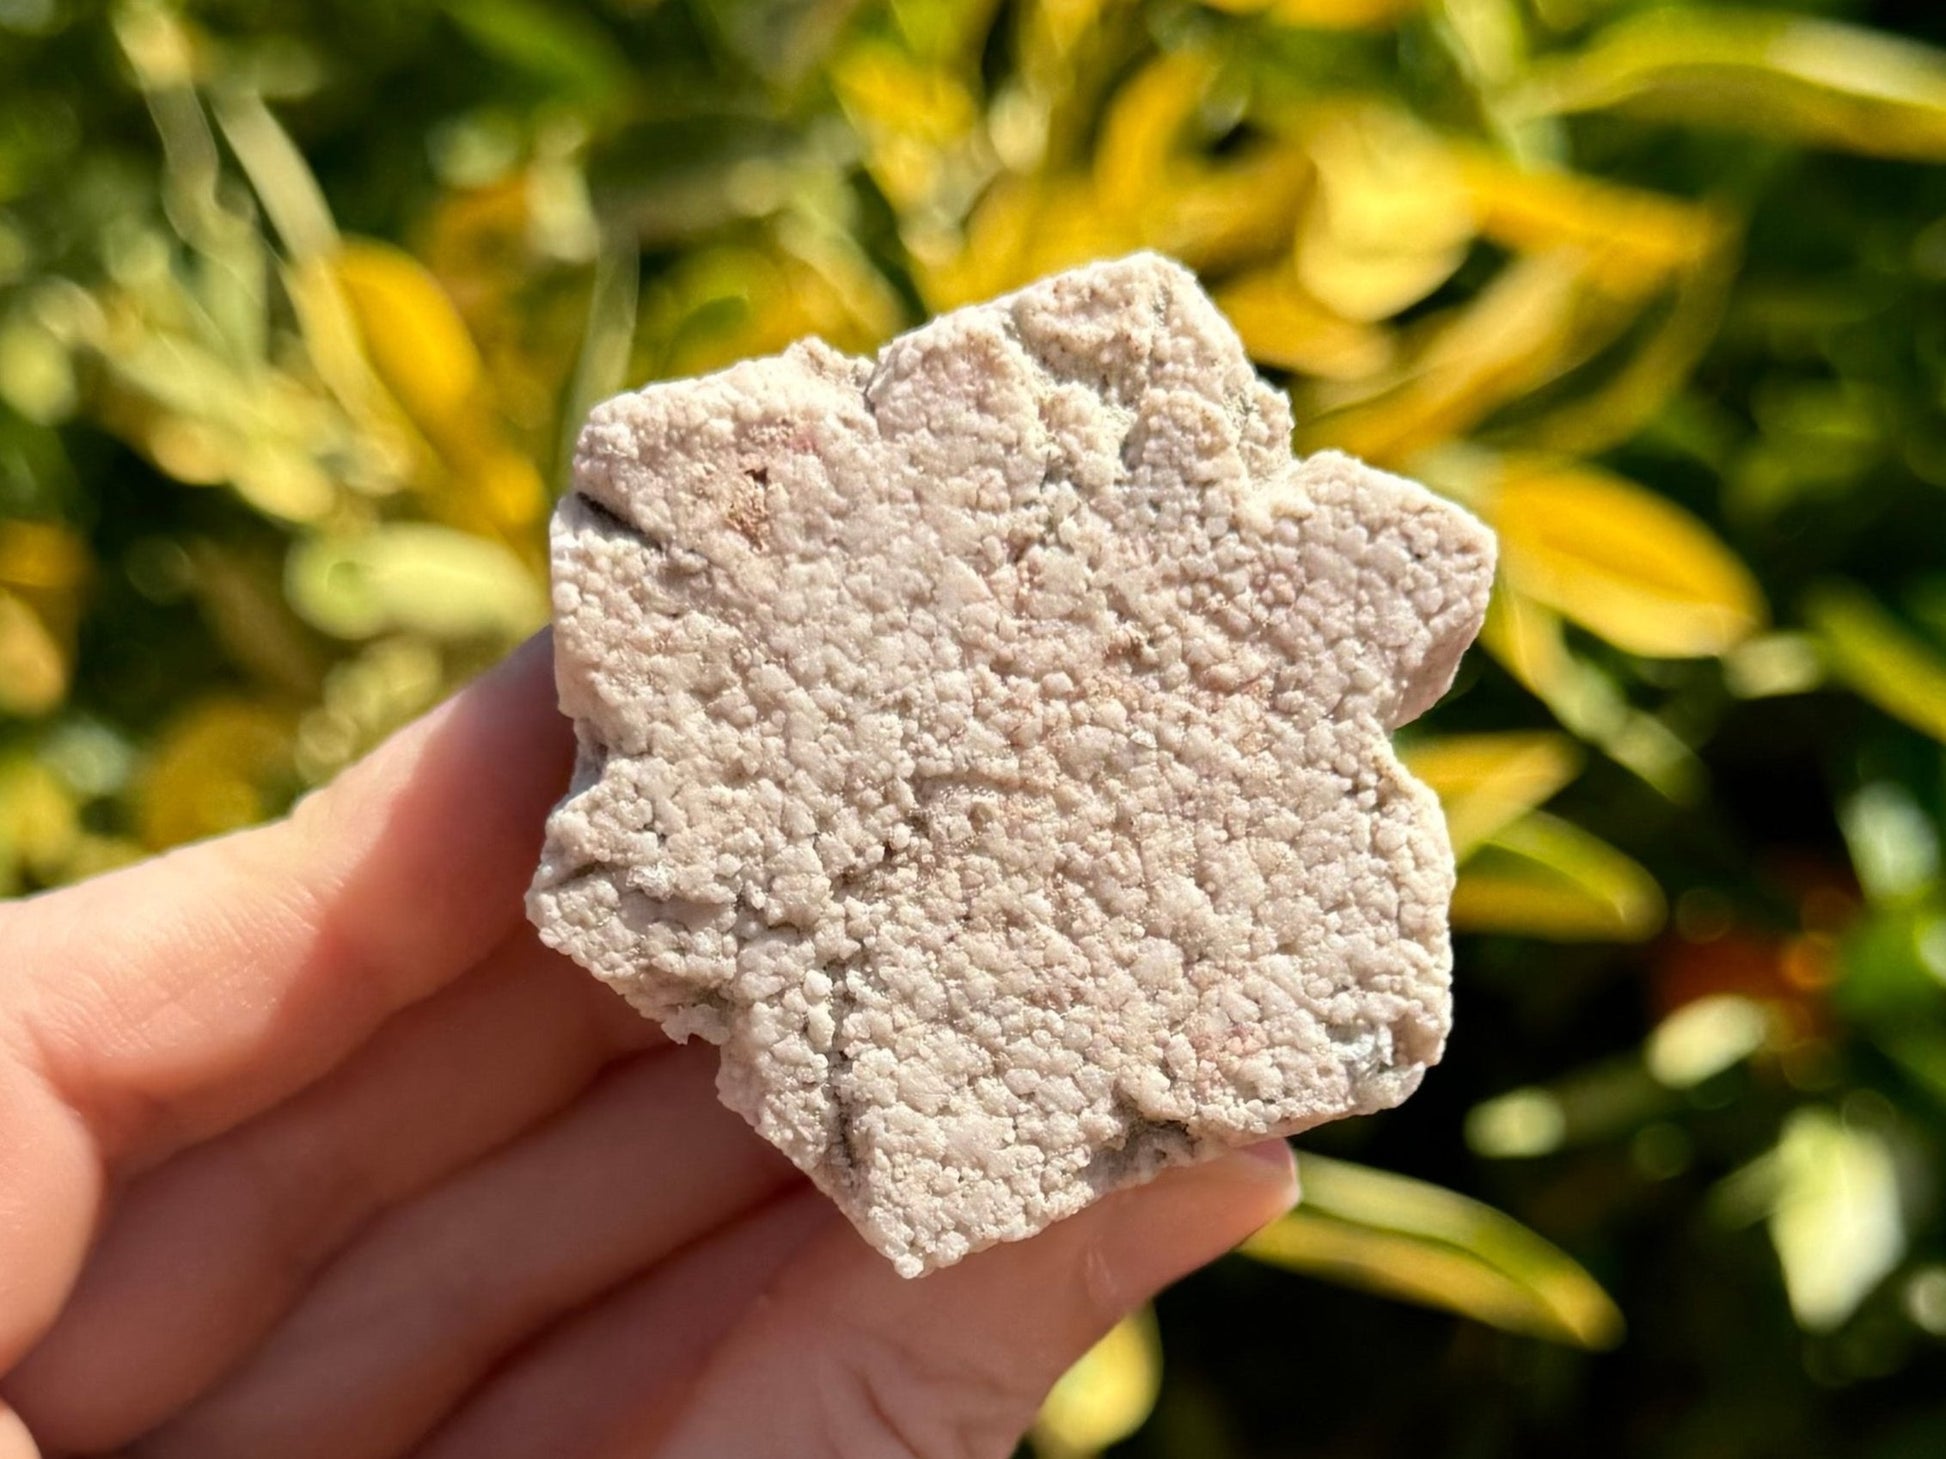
[[308, 1148]]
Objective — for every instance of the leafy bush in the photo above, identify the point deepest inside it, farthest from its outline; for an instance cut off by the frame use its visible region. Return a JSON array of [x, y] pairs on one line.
[[300, 304]]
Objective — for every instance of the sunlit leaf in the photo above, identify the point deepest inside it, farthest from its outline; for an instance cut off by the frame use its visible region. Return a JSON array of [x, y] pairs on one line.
[[1829, 1192], [1326, 14], [1657, 364], [1518, 332], [1894, 845], [1703, 1038], [1817, 81], [36, 372], [1624, 563], [414, 336], [1635, 238], [219, 766], [414, 576], [1773, 664], [41, 557], [1545, 877], [1879, 657], [1106, 1396], [1598, 1102], [33, 663], [1486, 781], [1144, 127], [1391, 217], [421, 351], [1421, 1243], [280, 175], [39, 822], [1222, 216], [1284, 327]]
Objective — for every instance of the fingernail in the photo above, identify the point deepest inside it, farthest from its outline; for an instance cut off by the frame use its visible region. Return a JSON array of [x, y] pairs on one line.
[[1271, 1152]]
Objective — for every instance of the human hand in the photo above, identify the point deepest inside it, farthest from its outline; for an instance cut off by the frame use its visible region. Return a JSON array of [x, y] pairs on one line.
[[309, 1148]]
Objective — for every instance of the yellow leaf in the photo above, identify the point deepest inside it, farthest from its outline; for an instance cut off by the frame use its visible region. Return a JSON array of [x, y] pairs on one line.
[[880, 85], [219, 766], [1283, 326], [912, 115], [419, 349], [1519, 332], [414, 576], [1421, 1243], [1544, 877], [41, 557], [1624, 563], [1324, 14], [1486, 781], [332, 343], [1106, 1396], [1783, 76], [33, 664], [414, 337], [1221, 217], [1391, 219], [1636, 238], [1143, 129], [39, 825], [1879, 658]]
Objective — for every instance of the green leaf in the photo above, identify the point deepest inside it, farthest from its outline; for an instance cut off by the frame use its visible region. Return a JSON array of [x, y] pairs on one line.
[[1544, 877], [1783, 76], [1421, 1243], [1873, 653], [417, 577], [552, 42]]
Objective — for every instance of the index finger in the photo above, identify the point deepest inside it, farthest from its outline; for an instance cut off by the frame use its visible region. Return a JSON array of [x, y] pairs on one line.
[[175, 998]]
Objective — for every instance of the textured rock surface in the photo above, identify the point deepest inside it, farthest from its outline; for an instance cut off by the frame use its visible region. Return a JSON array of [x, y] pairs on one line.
[[986, 745]]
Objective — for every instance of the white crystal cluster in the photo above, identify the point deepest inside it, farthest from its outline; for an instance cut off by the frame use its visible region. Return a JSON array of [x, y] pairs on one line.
[[986, 744]]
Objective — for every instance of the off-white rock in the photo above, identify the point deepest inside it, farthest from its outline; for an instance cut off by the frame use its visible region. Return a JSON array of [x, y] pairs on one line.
[[986, 745]]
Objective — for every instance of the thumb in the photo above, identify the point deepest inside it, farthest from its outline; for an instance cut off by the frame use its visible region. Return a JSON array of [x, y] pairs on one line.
[[855, 1361], [15, 1441]]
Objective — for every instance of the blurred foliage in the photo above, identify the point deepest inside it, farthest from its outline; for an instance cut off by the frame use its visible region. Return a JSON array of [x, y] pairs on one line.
[[300, 305]]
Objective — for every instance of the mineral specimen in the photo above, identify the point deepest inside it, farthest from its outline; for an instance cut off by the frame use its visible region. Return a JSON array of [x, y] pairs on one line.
[[986, 745]]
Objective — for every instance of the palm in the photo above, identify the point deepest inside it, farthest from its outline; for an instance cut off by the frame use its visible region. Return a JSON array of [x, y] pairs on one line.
[[309, 1148]]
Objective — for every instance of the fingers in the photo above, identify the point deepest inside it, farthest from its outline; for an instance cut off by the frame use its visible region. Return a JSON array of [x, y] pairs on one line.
[[204, 1254], [173, 999], [15, 1441], [854, 1361], [599, 1383], [408, 1320]]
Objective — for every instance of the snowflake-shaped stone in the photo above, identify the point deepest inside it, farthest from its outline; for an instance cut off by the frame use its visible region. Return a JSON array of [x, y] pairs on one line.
[[986, 745]]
